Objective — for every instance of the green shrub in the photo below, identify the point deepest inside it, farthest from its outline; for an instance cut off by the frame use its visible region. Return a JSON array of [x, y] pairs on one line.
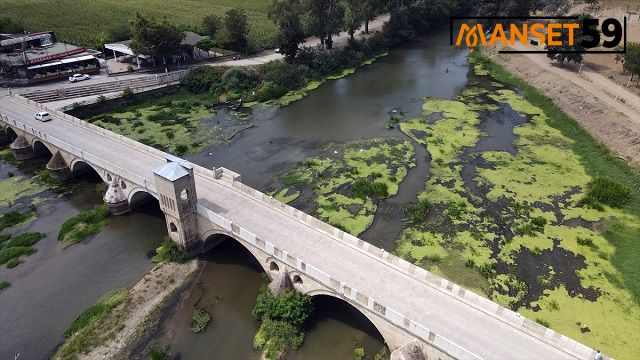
[[268, 91], [159, 353], [416, 212], [25, 239], [274, 337], [3, 238], [199, 320], [127, 93], [181, 149], [363, 188], [85, 224], [107, 302], [163, 117], [291, 307], [13, 218], [240, 80], [7, 254], [201, 80], [168, 251], [584, 241], [604, 191], [130, 68], [282, 74], [13, 263], [359, 353], [542, 322], [4, 285], [101, 99]]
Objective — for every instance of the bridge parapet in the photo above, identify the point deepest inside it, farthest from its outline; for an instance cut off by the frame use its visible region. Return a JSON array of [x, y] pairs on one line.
[[80, 154], [506, 315], [341, 288]]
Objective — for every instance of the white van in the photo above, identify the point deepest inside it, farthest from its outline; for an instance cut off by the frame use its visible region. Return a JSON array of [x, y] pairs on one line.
[[43, 116]]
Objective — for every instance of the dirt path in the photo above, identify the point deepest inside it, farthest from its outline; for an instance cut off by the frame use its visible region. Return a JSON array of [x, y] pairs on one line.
[[150, 292], [589, 100], [340, 40]]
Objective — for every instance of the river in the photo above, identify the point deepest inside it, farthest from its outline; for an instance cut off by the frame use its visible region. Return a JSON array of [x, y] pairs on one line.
[[54, 285]]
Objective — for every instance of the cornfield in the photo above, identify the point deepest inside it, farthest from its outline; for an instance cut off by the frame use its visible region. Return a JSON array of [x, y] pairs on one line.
[[88, 22]]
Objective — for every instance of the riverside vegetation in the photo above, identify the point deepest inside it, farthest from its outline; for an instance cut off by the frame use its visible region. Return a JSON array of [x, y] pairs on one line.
[[542, 221], [281, 321], [546, 228]]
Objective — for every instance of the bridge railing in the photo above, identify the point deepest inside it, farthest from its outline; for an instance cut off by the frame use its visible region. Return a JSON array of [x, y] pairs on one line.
[[79, 153], [231, 180], [506, 315], [353, 295]]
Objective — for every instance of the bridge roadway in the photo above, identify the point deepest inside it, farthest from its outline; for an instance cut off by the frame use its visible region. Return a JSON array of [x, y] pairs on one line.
[[470, 327]]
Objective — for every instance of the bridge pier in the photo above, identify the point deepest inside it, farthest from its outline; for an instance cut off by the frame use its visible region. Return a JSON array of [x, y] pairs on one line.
[[116, 200], [58, 167], [22, 149]]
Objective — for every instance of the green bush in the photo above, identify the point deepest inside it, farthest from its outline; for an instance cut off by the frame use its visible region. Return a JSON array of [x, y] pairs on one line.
[[13, 263], [13, 218], [168, 251], [416, 212], [268, 91], [291, 307], [199, 320], [240, 80], [4, 285], [201, 80], [7, 254], [107, 302], [604, 191], [282, 74], [359, 353], [281, 321], [25, 239], [127, 93], [363, 188], [85, 224], [3, 238]]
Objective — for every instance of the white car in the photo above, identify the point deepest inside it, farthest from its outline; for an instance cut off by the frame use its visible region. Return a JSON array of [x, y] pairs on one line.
[[43, 116], [79, 77]]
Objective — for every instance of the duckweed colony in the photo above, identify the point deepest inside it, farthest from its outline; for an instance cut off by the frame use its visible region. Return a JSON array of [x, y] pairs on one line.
[[343, 184], [173, 125], [542, 223]]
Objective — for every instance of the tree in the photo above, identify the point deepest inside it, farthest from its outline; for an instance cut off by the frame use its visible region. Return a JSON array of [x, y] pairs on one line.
[[159, 39], [211, 25], [353, 15], [554, 52], [370, 8], [286, 14], [325, 18], [632, 59], [236, 26], [556, 7]]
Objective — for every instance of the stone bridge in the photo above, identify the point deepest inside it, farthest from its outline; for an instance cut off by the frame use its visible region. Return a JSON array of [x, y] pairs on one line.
[[415, 311]]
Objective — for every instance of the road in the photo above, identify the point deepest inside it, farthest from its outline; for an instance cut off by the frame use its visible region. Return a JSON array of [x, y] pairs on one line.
[[457, 320], [596, 84]]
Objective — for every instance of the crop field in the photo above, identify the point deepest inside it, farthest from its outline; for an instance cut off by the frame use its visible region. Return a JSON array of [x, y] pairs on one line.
[[89, 22]]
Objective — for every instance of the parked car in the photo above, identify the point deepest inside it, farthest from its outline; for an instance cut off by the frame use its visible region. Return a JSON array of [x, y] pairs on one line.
[[79, 77], [43, 116]]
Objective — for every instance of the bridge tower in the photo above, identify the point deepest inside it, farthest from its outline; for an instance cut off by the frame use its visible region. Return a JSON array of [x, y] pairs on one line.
[[176, 189]]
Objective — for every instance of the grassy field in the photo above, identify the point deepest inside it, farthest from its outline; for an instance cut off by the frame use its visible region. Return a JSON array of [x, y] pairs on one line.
[[89, 22]]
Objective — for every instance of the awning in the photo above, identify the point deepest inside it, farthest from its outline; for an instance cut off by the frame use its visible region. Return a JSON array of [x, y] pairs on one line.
[[62, 62], [119, 47]]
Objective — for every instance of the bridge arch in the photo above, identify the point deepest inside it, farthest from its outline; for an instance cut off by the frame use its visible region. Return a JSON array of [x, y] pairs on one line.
[[139, 196], [371, 323], [10, 132], [79, 167], [215, 237], [40, 148]]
